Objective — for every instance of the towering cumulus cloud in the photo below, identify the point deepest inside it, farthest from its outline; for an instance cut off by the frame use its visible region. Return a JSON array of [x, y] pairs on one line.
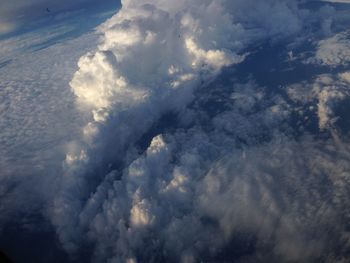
[[150, 59], [134, 192]]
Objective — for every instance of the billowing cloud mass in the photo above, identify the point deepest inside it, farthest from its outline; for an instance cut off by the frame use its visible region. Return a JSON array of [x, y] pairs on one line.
[[193, 192], [205, 131]]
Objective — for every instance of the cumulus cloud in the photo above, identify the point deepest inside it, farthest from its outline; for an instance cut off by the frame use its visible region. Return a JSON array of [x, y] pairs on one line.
[[173, 158], [117, 87], [150, 61], [193, 194], [334, 51], [323, 96], [176, 50]]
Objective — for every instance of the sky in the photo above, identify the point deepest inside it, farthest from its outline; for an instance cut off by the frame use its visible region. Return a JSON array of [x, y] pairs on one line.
[[175, 131], [16, 14]]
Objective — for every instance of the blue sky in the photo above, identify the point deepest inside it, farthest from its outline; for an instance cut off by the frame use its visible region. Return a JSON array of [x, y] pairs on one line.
[[15, 14]]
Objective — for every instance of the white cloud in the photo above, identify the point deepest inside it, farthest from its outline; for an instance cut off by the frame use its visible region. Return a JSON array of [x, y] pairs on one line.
[[37, 117], [334, 51], [233, 174], [323, 96], [285, 193], [345, 76], [150, 60]]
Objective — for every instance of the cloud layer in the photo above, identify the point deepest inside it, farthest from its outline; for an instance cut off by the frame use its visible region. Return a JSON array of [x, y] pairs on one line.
[[192, 190], [203, 131]]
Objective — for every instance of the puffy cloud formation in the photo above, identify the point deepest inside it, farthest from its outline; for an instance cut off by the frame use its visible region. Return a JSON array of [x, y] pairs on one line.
[[228, 178], [154, 53], [334, 51], [323, 96], [193, 210], [196, 139], [203, 192]]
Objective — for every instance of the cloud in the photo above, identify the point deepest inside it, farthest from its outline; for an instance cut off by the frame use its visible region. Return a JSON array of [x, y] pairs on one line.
[[334, 51], [175, 151], [323, 96], [6, 27], [194, 192], [116, 87], [37, 116], [13, 47], [150, 60]]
